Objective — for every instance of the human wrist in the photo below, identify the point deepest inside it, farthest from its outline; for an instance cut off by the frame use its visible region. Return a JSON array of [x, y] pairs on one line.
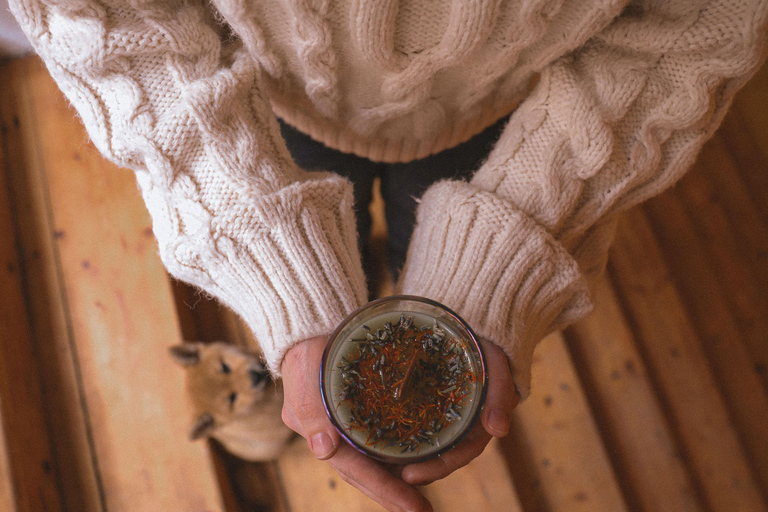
[[298, 353]]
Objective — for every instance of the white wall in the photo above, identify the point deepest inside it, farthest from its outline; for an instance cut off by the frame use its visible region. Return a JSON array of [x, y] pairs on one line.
[[12, 41]]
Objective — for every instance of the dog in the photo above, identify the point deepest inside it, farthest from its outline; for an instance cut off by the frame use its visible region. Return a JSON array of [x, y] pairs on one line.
[[234, 398]]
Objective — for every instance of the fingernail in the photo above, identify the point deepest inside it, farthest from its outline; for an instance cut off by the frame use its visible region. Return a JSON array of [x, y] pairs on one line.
[[321, 445], [498, 420]]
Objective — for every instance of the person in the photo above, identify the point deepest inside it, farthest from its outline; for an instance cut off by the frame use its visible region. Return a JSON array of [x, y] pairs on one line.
[[608, 103]]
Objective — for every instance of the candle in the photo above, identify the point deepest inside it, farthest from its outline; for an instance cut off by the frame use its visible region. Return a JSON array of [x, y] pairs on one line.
[[403, 379]]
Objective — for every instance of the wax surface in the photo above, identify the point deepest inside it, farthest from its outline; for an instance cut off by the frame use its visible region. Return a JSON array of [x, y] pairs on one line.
[[348, 345]]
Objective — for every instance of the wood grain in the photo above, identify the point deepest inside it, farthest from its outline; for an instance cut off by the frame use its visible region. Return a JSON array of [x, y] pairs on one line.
[[674, 355], [632, 423], [573, 471], [32, 468], [103, 275], [730, 351], [658, 401], [7, 494]]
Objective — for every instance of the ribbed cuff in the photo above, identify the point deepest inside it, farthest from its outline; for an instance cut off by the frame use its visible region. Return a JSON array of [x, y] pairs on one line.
[[291, 268], [499, 270]]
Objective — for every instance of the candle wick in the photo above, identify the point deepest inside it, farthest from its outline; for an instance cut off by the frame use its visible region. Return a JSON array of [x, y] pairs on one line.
[[408, 373]]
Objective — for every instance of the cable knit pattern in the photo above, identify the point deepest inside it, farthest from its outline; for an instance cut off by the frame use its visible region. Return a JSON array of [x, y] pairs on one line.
[[372, 26], [315, 51], [528, 24], [607, 127], [627, 93], [621, 119], [232, 213], [247, 27], [470, 23]]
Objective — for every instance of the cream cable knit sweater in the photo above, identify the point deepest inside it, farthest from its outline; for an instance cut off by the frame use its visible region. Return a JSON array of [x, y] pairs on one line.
[[184, 92]]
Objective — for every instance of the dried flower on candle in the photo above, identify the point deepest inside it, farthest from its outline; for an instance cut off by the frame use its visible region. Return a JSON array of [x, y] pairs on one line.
[[404, 383]]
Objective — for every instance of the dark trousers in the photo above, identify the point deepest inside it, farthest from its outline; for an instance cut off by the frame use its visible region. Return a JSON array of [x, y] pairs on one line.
[[401, 183]]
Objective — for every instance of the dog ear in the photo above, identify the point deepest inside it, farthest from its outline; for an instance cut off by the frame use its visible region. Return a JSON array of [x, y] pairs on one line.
[[186, 354], [202, 427]]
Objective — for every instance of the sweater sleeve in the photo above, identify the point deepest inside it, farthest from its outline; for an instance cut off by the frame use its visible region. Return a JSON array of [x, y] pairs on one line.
[[160, 94], [607, 126]]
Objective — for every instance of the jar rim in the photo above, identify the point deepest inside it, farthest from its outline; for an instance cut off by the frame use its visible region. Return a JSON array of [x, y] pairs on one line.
[[358, 317]]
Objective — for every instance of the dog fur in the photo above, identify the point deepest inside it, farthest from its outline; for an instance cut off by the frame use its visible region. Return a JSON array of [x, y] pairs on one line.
[[235, 399]]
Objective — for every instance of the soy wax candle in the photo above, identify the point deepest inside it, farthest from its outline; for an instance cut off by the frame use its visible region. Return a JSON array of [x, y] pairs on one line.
[[403, 379]]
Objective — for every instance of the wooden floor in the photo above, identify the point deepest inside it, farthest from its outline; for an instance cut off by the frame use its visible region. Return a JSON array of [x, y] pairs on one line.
[[656, 402]]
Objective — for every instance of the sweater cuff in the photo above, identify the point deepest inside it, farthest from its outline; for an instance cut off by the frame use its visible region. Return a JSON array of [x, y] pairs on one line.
[[499, 270], [289, 265]]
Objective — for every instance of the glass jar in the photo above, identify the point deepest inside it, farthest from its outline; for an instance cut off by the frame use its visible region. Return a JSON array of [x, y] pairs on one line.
[[403, 379]]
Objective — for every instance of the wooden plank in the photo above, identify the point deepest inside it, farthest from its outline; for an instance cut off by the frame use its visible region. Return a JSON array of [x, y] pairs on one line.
[[8, 262], [554, 428], [256, 484], [482, 485], [231, 500], [752, 108], [7, 494], [121, 321], [57, 365], [736, 238], [381, 285], [201, 317], [30, 463], [750, 160], [673, 353], [724, 344], [629, 416], [310, 484]]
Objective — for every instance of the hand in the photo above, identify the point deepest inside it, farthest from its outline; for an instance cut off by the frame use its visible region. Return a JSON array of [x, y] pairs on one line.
[[303, 412], [392, 487], [500, 401]]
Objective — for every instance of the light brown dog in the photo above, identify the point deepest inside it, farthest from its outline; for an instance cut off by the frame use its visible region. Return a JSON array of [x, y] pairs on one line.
[[235, 399]]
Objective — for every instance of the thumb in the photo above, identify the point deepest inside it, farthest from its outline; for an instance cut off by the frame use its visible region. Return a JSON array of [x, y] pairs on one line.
[[502, 396], [303, 409]]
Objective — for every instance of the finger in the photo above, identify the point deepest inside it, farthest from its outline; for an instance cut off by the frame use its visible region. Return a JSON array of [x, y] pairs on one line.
[[424, 473], [373, 480], [303, 409], [501, 398]]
